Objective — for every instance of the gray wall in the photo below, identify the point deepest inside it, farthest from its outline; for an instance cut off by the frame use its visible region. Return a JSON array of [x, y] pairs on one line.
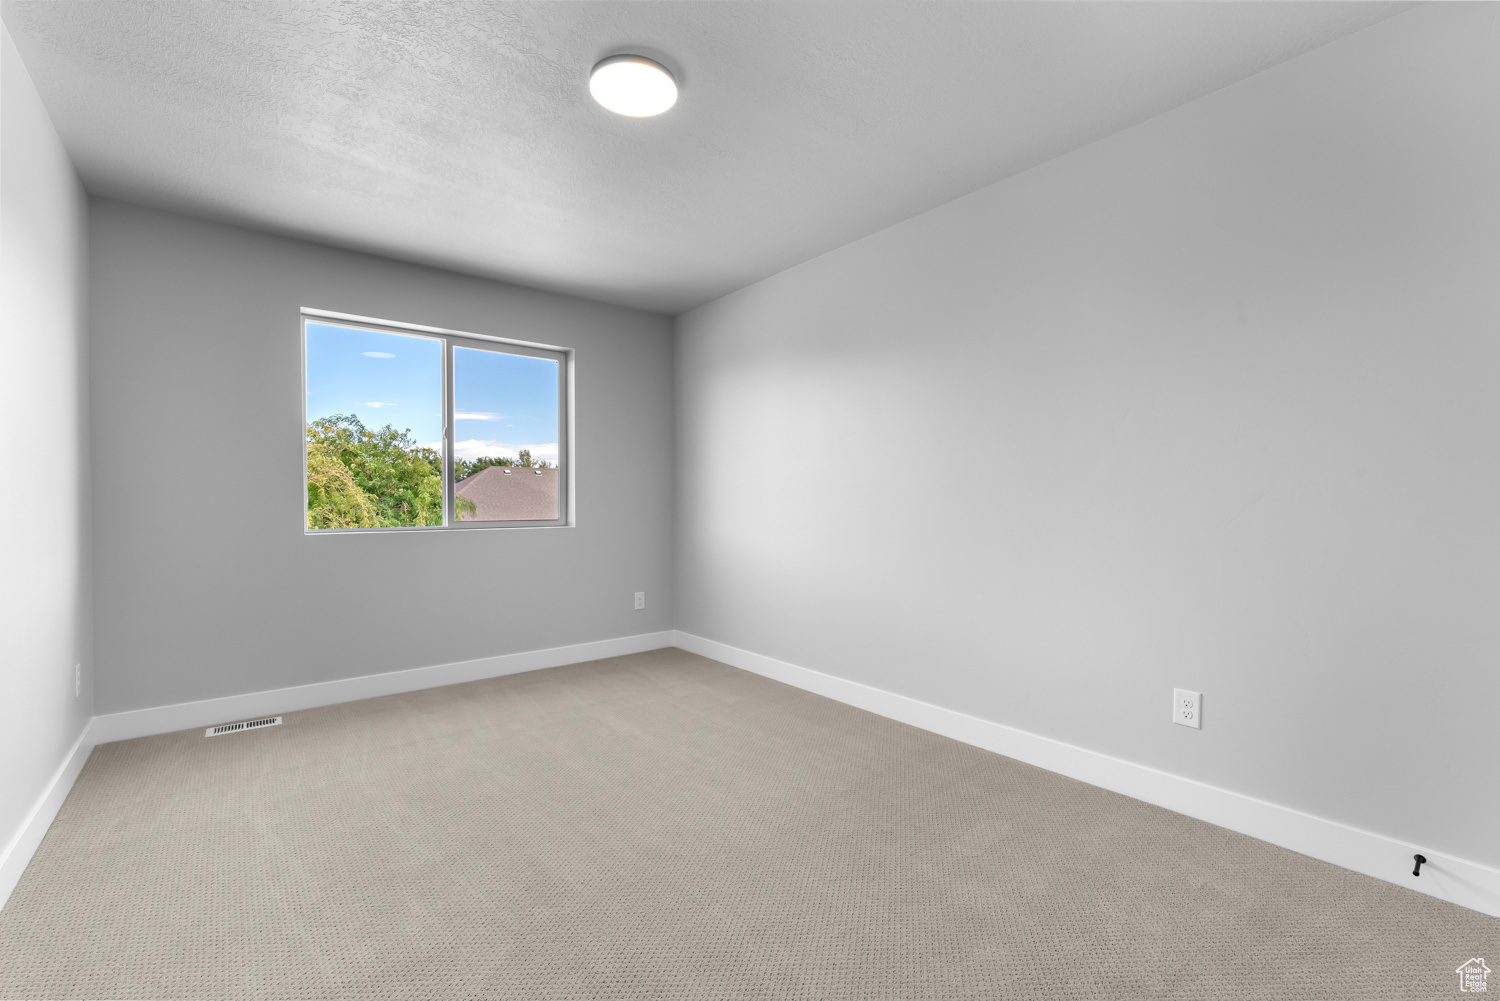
[[1211, 403], [206, 584], [44, 548]]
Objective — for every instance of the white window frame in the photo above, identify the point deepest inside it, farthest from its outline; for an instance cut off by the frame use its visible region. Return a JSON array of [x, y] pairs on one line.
[[451, 339]]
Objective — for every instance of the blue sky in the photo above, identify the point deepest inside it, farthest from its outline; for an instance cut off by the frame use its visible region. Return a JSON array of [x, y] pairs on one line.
[[502, 402], [383, 378]]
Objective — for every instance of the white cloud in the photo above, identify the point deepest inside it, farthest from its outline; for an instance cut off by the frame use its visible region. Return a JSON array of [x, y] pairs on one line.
[[377, 406], [377, 354], [469, 415], [479, 448]]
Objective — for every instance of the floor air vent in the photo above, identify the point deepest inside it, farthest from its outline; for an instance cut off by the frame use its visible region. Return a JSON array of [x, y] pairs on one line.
[[253, 724]]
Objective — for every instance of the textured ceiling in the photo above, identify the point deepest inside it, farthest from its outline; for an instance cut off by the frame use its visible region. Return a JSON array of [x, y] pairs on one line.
[[463, 135]]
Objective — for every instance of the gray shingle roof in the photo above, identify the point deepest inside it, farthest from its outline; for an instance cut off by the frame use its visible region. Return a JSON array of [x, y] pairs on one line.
[[511, 493]]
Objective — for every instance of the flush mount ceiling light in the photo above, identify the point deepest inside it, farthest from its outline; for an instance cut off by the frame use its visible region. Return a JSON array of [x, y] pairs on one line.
[[633, 85]]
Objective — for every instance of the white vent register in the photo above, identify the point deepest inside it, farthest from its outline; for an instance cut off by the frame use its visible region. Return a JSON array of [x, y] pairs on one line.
[[253, 724]]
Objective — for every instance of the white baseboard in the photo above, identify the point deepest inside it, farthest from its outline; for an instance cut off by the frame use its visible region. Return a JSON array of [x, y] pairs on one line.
[[231, 708], [165, 719], [26, 840], [1460, 881], [1469, 884]]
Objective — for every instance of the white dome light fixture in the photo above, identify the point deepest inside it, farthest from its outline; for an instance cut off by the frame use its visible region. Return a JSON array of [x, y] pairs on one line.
[[633, 86]]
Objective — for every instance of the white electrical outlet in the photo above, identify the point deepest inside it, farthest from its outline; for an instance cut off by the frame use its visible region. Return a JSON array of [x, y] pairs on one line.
[[77, 680], [1187, 708], [640, 600]]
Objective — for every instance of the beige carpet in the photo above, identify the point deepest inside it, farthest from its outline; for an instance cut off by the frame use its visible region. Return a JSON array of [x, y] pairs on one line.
[[661, 826]]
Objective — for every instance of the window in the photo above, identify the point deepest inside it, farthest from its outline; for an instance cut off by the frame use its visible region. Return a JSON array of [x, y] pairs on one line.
[[416, 428]]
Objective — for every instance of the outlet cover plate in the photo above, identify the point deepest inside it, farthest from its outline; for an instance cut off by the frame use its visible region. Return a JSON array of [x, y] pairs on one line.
[[1187, 708]]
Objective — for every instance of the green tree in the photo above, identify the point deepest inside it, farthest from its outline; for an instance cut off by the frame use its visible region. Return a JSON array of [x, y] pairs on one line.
[[464, 468], [334, 500], [525, 459], [401, 480]]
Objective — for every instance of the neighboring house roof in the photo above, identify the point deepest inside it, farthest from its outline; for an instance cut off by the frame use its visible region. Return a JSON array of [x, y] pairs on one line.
[[511, 493]]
